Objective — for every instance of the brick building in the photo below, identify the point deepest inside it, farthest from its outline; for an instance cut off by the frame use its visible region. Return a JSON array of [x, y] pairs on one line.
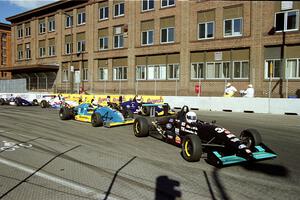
[[5, 56], [162, 47]]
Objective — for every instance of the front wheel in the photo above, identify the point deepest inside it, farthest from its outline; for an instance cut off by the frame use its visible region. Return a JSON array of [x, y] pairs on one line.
[[191, 148], [44, 104], [141, 127], [251, 138], [96, 120], [65, 113]]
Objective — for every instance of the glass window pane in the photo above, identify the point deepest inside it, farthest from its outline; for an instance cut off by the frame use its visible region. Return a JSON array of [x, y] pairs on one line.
[[237, 25], [210, 70], [291, 69], [171, 2], [164, 2], [291, 20], [170, 34], [144, 37], [164, 35], [150, 72], [210, 30], [116, 10], [163, 72], [228, 27], [121, 8], [237, 69], [201, 30], [279, 21], [121, 41], [245, 70], [218, 72], [145, 4], [276, 68], [151, 4], [150, 37]]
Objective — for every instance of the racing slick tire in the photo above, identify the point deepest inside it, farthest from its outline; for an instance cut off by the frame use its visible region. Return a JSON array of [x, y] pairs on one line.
[[2, 101], [65, 113], [18, 102], [251, 138], [44, 104], [141, 127], [96, 120], [127, 113], [191, 148]]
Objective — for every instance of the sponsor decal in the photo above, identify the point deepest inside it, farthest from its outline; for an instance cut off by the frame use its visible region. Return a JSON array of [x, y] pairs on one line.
[[170, 136], [230, 135], [242, 146], [177, 130], [171, 120], [227, 131], [219, 130], [169, 125], [235, 139], [177, 139], [248, 151]]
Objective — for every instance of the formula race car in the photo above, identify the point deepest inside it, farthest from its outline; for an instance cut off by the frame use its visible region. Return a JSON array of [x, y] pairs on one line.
[[98, 116], [57, 102], [196, 136], [17, 101]]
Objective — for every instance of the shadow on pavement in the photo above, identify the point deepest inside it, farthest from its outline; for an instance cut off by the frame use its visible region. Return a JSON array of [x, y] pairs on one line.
[[167, 189], [209, 186], [219, 185], [270, 169]]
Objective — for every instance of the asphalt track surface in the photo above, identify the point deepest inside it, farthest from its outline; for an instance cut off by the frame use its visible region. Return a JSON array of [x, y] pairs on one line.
[[55, 159]]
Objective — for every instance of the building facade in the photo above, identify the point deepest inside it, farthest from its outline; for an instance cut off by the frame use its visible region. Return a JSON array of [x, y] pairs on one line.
[[163, 47], [5, 51]]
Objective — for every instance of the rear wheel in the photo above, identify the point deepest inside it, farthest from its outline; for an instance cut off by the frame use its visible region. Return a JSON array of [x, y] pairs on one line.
[[2, 102], [44, 104], [251, 138], [141, 127], [96, 120], [65, 113], [35, 102], [191, 148]]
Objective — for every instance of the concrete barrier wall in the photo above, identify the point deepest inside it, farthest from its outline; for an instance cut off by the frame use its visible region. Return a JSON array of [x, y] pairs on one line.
[[236, 104]]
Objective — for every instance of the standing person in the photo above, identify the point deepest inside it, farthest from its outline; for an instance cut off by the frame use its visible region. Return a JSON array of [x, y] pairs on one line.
[[230, 90], [249, 92]]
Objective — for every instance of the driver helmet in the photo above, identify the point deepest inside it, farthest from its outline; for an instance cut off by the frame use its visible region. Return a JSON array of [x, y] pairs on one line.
[[139, 99], [191, 117]]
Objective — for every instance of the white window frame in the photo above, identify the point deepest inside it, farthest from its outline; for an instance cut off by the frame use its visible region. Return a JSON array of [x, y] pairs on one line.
[[168, 4], [51, 50], [42, 28], [20, 33], [42, 52], [285, 20], [115, 78], [81, 47], [65, 75], [241, 65], [80, 18], [27, 52], [266, 70], [69, 21], [27, 31], [144, 67], [51, 26], [119, 10], [174, 71], [20, 55], [148, 5], [119, 43], [147, 44], [105, 73], [222, 66], [157, 70], [68, 48], [233, 34], [297, 68], [102, 10], [85, 74], [198, 66], [167, 35], [206, 24], [102, 40]]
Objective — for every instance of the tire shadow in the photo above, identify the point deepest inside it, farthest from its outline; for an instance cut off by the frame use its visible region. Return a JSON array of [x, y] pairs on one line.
[[167, 189]]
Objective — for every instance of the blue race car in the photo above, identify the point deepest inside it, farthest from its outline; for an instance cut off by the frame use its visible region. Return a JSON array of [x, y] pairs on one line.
[[97, 116]]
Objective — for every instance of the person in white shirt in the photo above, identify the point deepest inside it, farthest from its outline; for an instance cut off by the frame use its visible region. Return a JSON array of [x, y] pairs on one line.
[[230, 90], [249, 92]]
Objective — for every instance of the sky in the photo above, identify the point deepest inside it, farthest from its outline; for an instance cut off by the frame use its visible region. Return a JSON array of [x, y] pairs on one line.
[[10, 8]]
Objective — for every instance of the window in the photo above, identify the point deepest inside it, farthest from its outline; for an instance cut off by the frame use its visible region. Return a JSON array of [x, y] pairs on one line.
[[85, 75], [103, 43], [42, 52], [120, 73], [167, 3], [65, 75], [42, 27], [20, 32], [197, 70], [27, 31], [103, 74], [157, 72], [167, 35], [293, 68], [287, 21], [233, 27], [51, 50], [240, 69], [274, 67], [118, 38], [147, 5], [217, 70], [27, 51], [103, 13], [147, 37], [206, 30], [173, 71], [68, 49], [69, 21], [81, 18], [51, 25], [140, 72], [20, 54], [119, 10], [80, 46]]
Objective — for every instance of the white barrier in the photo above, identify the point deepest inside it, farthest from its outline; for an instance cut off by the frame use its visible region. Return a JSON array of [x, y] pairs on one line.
[[237, 104]]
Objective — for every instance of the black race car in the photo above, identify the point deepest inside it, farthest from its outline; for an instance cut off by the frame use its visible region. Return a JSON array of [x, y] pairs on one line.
[[222, 146]]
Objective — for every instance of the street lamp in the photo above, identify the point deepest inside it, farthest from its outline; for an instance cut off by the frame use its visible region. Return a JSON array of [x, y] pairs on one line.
[[71, 58]]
